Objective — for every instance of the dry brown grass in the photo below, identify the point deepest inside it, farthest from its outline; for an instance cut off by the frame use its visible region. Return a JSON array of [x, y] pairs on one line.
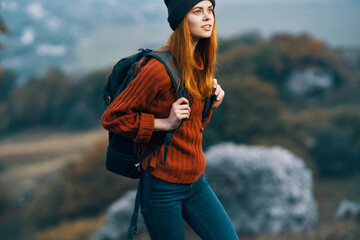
[[330, 192], [72, 230], [83, 229], [338, 230], [27, 160]]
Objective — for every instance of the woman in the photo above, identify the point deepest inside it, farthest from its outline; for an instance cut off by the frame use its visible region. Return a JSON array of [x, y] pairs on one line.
[[148, 107]]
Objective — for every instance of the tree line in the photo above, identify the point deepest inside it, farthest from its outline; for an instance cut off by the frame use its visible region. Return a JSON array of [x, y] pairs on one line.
[[323, 128]]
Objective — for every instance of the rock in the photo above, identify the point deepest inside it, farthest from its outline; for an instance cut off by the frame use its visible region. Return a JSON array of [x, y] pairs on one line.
[[263, 189], [348, 209], [309, 82], [25, 195], [118, 219]]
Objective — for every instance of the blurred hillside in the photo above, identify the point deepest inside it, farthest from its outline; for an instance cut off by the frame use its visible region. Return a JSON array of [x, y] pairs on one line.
[[48, 32], [82, 35], [291, 90], [295, 72]]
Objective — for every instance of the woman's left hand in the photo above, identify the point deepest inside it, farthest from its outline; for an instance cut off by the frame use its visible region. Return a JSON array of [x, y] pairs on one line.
[[219, 93]]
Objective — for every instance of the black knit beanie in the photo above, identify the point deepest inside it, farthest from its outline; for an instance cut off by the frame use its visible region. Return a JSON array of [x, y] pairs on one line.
[[177, 10]]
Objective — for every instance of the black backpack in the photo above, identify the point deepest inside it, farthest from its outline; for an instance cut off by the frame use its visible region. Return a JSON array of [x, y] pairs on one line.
[[121, 157]]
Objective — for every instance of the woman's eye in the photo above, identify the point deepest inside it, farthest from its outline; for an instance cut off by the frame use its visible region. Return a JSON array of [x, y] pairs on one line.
[[197, 12]]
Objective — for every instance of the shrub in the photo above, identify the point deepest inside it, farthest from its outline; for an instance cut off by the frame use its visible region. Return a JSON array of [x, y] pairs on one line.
[[3, 199], [240, 118], [334, 153], [82, 190]]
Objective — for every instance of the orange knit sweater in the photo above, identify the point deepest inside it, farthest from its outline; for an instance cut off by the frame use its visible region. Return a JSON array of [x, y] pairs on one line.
[[151, 95]]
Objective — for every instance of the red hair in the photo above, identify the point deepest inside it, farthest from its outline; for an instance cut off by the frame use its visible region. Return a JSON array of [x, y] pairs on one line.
[[198, 83]]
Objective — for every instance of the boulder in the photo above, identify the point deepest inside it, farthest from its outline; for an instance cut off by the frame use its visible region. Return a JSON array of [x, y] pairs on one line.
[[118, 219], [348, 210], [265, 190]]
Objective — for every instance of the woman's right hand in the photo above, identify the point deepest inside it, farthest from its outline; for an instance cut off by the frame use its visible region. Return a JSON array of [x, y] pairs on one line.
[[180, 110]]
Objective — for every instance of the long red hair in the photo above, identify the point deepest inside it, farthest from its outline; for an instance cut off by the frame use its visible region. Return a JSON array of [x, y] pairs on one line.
[[198, 83]]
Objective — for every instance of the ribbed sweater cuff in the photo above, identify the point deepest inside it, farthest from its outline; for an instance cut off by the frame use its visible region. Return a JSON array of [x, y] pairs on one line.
[[146, 128]]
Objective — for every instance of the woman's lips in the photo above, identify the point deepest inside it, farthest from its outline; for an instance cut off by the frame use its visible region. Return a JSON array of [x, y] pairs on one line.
[[206, 27]]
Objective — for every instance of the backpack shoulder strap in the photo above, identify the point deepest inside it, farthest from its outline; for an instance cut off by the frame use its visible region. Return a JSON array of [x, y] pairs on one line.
[[171, 68], [207, 106], [174, 74]]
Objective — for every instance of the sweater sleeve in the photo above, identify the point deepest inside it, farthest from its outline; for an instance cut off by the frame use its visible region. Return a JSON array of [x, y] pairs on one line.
[[127, 115]]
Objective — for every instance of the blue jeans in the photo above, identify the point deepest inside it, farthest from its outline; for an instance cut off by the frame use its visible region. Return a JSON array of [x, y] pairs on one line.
[[164, 205]]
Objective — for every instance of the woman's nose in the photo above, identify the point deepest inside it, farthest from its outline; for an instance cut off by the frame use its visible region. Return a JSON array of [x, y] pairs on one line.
[[207, 16]]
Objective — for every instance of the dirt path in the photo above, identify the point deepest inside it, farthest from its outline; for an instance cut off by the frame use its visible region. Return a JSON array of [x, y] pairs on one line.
[[27, 158]]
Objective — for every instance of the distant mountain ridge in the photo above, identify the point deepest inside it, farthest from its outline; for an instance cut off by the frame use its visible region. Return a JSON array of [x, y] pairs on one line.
[[45, 32]]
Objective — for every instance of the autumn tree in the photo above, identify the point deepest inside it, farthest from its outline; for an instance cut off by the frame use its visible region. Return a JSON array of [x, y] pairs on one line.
[[3, 30]]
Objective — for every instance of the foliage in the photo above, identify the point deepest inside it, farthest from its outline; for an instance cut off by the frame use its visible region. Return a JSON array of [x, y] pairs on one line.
[[3, 199], [332, 138], [299, 51], [10, 223], [3, 30], [55, 100], [41, 100], [273, 61], [8, 82], [241, 116], [334, 153], [349, 120], [83, 190], [44, 210], [83, 183], [249, 38], [88, 105]]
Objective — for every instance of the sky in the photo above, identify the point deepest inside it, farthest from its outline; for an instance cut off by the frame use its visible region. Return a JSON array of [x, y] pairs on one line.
[[117, 28], [336, 22]]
